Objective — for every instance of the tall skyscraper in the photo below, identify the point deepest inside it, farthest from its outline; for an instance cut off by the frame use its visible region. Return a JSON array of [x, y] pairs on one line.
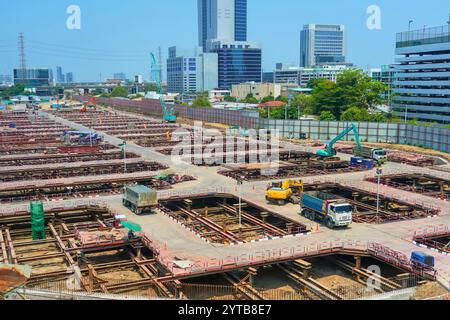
[[69, 77], [60, 78], [322, 45], [222, 20]]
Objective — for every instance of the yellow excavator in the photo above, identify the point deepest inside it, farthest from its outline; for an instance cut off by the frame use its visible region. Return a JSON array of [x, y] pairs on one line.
[[286, 191]]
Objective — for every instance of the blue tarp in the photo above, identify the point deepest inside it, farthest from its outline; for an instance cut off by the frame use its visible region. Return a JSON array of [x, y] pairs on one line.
[[2, 107]]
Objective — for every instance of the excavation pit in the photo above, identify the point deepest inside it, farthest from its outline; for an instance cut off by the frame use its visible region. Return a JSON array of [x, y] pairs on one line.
[[365, 205], [215, 218], [418, 183]]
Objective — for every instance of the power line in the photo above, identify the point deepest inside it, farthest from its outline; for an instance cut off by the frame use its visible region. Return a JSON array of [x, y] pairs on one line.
[[103, 51], [66, 56], [88, 54]]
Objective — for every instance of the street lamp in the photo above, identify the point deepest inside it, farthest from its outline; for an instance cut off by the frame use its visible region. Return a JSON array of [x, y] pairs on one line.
[[379, 174], [239, 183], [123, 145]]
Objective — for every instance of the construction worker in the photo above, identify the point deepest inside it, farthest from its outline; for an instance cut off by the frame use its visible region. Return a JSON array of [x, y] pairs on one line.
[[168, 135]]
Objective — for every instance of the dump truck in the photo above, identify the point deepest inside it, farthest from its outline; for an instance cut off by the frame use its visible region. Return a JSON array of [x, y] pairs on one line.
[[377, 154], [140, 199], [285, 191], [327, 209]]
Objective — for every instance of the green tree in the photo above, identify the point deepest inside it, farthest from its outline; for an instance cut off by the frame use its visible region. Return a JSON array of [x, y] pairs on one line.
[[250, 99], [229, 99], [17, 89], [327, 116], [267, 99], [201, 101], [150, 87], [119, 92], [282, 99], [303, 104], [355, 113], [353, 88]]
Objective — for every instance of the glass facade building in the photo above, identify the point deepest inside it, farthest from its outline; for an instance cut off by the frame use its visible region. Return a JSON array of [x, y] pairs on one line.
[[222, 20], [421, 85], [33, 77], [240, 20], [238, 62], [322, 45]]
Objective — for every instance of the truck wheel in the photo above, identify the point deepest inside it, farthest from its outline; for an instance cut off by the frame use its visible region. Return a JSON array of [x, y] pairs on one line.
[[302, 213], [330, 223]]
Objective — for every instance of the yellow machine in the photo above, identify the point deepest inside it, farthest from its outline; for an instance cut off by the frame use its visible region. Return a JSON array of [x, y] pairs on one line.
[[285, 191]]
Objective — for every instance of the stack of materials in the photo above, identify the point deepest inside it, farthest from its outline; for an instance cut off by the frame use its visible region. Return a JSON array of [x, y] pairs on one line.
[[100, 237], [410, 158]]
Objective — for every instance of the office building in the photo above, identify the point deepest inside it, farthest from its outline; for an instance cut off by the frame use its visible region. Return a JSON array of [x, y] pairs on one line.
[[222, 20], [384, 74], [238, 62], [60, 78], [189, 72], [258, 90], [120, 76], [421, 87], [285, 74], [38, 79], [267, 77], [322, 45], [69, 77]]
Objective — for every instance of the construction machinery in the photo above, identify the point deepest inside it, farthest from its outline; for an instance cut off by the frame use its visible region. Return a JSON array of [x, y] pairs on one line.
[[327, 209], [139, 198], [81, 138], [167, 110], [377, 154], [329, 150], [285, 191], [92, 102]]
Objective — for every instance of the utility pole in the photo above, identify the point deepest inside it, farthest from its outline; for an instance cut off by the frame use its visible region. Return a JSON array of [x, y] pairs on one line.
[[124, 145]]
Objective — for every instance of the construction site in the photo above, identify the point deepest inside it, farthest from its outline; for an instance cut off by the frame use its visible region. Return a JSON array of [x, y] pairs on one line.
[[94, 206]]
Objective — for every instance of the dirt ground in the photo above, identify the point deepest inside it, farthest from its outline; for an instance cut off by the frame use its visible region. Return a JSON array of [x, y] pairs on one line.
[[430, 290]]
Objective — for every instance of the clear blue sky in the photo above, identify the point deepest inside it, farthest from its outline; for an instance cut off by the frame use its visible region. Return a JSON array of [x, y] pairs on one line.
[[117, 36]]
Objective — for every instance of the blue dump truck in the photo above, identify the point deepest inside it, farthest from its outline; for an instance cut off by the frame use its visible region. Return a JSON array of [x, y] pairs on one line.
[[327, 209], [422, 260]]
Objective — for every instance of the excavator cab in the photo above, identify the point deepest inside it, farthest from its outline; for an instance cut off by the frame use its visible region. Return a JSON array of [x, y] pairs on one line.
[[285, 191]]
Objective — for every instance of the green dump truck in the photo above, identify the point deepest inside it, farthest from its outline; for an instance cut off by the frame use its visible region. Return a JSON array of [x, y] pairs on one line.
[[140, 199]]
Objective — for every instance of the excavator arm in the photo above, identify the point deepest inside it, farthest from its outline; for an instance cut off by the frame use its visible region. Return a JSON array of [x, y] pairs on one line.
[[329, 151]]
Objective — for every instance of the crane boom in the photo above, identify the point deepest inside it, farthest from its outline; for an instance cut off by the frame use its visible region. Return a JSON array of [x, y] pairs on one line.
[[329, 150], [168, 111]]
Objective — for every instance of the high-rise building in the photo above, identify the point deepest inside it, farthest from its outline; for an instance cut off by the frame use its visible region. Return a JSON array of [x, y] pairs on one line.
[[238, 62], [286, 74], [40, 79], [60, 78], [384, 74], [421, 87], [69, 77], [120, 76], [189, 72], [222, 20], [322, 45]]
